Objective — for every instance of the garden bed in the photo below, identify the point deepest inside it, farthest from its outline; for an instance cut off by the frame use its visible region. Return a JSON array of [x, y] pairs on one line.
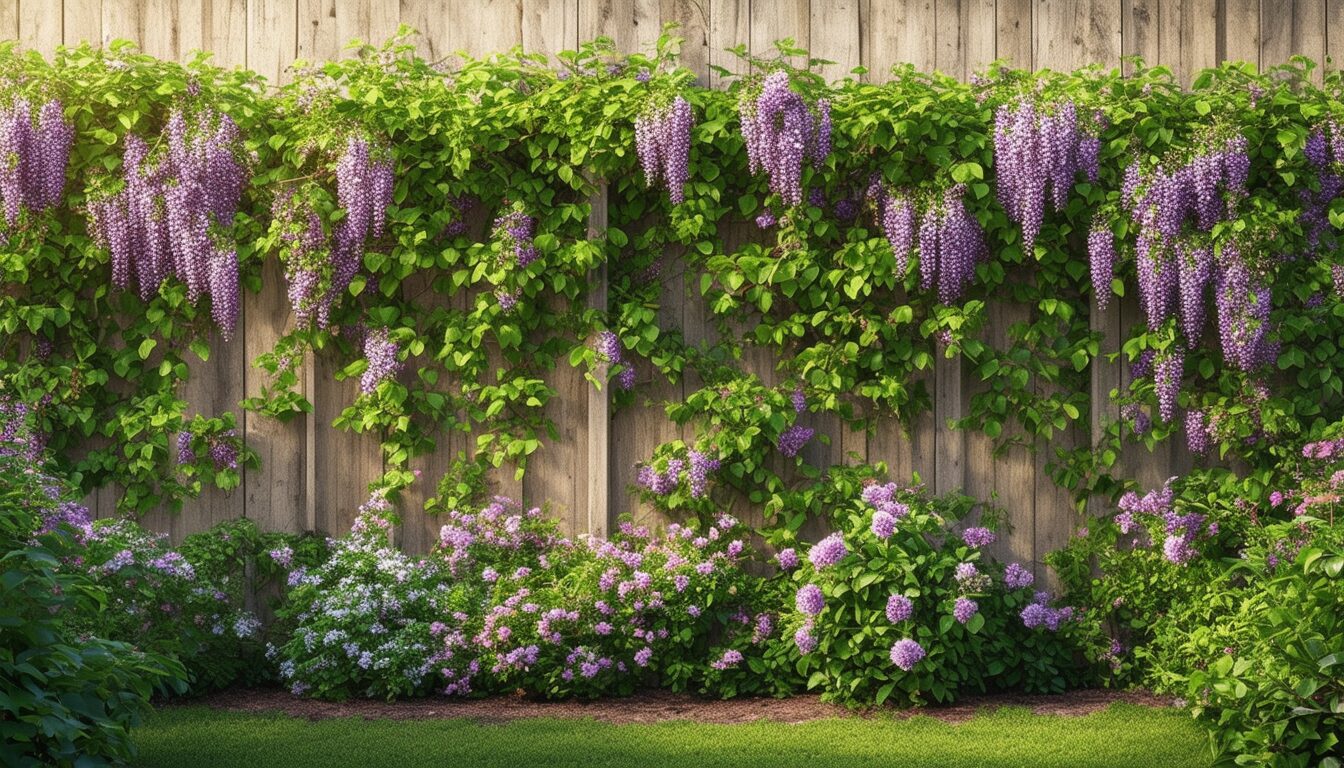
[[657, 707]]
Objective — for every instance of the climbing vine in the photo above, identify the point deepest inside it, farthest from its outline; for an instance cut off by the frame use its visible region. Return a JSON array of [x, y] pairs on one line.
[[430, 222]]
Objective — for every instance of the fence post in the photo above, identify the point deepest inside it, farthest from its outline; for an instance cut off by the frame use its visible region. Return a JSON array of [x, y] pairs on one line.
[[599, 402]]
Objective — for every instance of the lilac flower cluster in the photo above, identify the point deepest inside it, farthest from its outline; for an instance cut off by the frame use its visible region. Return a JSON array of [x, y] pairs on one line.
[[1017, 577], [701, 467], [174, 214], [660, 483], [1179, 532], [977, 537], [964, 609], [781, 133], [792, 439], [810, 600], [951, 244], [906, 654], [899, 608], [1039, 613], [33, 158], [608, 347], [663, 142], [828, 551], [381, 353], [1038, 152], [501, 532]]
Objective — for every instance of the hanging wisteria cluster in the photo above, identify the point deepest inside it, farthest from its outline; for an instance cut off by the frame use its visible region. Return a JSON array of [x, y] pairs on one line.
[[33, 158], [513, 231], [663, 140], [951, 244], [381, 353], [608, 347], [1324, 150], [305, 252], [319, 268], [1038, 152], [782, 132], [1162, 202], [173, 216], [896, 215]]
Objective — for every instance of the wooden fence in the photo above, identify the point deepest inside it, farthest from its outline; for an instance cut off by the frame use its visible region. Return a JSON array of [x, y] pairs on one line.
[[313, 476]]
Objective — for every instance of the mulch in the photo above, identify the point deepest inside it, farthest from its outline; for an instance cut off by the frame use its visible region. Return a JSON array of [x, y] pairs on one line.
[[655, 707]]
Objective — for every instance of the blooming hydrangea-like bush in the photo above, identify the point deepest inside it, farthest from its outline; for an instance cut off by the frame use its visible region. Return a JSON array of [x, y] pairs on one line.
[[371, 621], [157, 599], [897, 606]]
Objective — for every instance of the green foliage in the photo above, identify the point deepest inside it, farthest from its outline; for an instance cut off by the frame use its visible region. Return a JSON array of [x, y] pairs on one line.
[[927, 562], [1267, 679], [65, 698]]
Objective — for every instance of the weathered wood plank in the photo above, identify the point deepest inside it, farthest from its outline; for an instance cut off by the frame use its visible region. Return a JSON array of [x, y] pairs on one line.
[[597, 468], [276, 492], [42, 25], [898, 33], [1292, 27], [729, 26], [780, 20], [692, 16], [550, 26], [1073, 33], [1015, 39], [1239, 31], [1142, 25], [272, 35], [835, 34], [224, 31]]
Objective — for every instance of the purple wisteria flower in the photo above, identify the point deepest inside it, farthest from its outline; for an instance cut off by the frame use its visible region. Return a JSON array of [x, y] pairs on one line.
[[787, 559]]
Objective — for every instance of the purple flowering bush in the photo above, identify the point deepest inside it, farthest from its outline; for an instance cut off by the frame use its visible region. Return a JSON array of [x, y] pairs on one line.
[[896, 605], [156, 598]]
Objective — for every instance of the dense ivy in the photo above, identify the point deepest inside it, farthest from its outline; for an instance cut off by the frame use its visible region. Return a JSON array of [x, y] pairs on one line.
[[454, 323]]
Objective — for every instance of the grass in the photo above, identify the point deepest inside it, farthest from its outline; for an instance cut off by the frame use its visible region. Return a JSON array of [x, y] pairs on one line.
[[1119, 737]]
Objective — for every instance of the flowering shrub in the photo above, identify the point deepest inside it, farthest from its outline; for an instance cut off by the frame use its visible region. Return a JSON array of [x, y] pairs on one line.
[[898, 606], [65, 696], [371, 621]]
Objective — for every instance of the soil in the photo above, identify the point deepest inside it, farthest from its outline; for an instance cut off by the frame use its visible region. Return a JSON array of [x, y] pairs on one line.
[[655, 707]]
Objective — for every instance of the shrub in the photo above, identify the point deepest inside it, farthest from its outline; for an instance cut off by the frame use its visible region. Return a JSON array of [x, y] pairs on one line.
[[1267, 680], [371, 621], [897, 605], [65, 698], [158, 599]]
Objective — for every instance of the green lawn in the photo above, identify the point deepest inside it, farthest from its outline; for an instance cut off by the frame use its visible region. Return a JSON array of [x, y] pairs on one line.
[[1124, 735]]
